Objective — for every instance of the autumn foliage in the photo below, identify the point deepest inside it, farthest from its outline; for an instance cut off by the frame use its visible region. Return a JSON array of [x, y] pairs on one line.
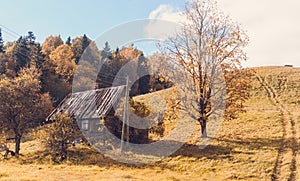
[[210, 48]]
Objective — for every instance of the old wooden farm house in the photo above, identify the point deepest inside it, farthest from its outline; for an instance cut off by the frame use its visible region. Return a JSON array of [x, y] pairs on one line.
[[89, 107]]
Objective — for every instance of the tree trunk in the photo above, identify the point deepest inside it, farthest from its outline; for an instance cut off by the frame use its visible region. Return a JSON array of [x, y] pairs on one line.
[[17, 143], [63, 153], [203, 129], [202, 122]]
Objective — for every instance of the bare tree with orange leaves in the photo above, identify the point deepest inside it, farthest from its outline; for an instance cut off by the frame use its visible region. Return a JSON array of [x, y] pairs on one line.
[[210, 48]]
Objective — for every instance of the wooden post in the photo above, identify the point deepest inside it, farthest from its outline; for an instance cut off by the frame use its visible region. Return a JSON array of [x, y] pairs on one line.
[[125, 116]]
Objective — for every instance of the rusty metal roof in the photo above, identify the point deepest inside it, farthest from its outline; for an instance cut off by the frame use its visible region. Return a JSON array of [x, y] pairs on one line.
[[91, 104]]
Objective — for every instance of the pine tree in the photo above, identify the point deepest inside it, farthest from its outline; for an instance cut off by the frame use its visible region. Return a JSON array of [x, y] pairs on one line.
[[36, 55], [107, 47], [106, 53], [85, 42], [68, 42], [30, 38], [26, 50], [143, 73], [21, 53], [79, 44]]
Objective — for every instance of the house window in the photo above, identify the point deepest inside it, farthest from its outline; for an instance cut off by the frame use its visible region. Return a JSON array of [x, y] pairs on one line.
[[85, 125]]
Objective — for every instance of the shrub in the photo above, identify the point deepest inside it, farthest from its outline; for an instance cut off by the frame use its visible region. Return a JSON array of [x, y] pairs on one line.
[[58, 135]]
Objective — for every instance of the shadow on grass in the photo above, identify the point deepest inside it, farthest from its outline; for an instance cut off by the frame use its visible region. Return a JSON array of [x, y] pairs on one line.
[[225, 146], [221, 148]]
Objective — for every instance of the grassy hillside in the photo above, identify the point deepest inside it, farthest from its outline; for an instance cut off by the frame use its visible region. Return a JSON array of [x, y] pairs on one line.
[[262, 144]]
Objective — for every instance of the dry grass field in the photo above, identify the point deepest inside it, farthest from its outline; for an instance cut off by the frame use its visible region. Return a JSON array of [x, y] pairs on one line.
[[262, 144]]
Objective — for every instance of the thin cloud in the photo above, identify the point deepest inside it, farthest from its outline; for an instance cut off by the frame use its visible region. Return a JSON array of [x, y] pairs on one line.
[[168, 13], [273, 28], [164, 21]]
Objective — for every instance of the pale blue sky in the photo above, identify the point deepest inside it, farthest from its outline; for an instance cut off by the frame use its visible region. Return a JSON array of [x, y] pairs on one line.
[[273, 26], [72, 17]]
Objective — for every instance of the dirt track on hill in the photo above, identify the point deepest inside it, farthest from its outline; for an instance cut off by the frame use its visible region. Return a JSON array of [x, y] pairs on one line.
[[286, 163]]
